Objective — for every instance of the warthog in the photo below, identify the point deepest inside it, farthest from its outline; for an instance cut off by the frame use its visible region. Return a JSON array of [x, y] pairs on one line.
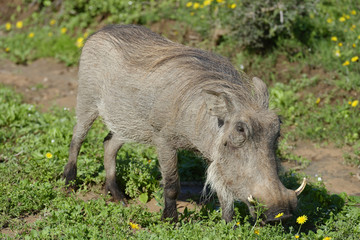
[[151, 90]]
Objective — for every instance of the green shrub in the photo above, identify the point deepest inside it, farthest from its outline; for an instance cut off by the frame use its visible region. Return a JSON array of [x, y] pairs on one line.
[[259, 24]]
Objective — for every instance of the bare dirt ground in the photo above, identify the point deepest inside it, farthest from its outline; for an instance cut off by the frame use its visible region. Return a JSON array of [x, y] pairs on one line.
[[46, 82], [327, 165]]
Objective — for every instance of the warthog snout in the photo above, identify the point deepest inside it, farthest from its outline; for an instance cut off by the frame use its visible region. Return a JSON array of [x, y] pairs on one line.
[[282, 210]]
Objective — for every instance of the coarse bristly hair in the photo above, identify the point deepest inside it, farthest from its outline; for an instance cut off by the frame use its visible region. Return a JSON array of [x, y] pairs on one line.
[[151, 90]]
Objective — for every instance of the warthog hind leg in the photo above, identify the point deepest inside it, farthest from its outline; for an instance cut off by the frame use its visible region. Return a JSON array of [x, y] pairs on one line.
[[81, 128]]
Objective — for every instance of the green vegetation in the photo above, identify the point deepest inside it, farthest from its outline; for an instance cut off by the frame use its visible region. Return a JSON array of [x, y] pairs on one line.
[[307, 52], [34, 150]]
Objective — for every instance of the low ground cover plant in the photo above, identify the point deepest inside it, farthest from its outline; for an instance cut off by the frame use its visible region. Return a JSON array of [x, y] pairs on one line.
[[34, 145], [34, 150]]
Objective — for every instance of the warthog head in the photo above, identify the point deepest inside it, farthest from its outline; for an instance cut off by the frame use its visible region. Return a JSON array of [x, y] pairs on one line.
[[243, 159]]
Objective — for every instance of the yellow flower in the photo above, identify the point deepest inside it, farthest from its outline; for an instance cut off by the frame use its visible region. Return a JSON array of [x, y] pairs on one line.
[[327, 238], [134, 225], [149, 161], [297, 236], [342, 19], [354, 45], [355, 59], [353, 12], [50, 34], [31, 35], [256, 231], [19, 24], [302, 219], [196, 5], [232, 6], [63, 30], [353, 26], [350, 102], [334, 39], [220, 1], [340, 44], [355, 103], [329, 20], [279, 215], [80, 42], [238, 223], [347, 16], [337, 53], [346, 63], [359, 37], [189, 4], [192, 14], [48, 155], [7, 49], [207, 2], [8, 26], [317, 100], [52, 22]]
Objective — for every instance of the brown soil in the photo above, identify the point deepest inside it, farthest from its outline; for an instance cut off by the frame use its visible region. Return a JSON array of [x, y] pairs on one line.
[[327, 165], [25, 220], [44, 82]]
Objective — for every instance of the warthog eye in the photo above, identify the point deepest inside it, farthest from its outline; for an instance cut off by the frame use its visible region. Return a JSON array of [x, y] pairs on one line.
[[240, 127], [220, 122], [239, 137]]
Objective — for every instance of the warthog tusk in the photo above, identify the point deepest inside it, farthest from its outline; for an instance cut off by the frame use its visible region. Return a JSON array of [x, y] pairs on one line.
[[301, 188], [251, 199]]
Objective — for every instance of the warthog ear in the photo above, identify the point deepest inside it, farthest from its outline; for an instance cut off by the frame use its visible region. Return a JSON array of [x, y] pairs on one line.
[[261, 92], [217, 103]]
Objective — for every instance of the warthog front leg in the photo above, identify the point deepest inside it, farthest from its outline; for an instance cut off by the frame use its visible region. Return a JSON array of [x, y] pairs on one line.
[[111, 147], [227, 208], [170, 177]]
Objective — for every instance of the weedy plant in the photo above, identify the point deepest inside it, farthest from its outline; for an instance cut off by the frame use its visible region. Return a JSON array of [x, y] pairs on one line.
[[34, 148], [34, 145]]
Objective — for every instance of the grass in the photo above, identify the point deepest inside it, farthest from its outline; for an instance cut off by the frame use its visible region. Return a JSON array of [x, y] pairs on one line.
[[45, 42], [320, 107], [31, 184], [314, 117]]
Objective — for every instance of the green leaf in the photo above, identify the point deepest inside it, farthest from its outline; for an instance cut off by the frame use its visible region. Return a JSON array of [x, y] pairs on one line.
[[143, 198]]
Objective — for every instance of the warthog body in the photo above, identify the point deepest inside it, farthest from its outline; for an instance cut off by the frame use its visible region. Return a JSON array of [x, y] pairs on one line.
[[151, 90]]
